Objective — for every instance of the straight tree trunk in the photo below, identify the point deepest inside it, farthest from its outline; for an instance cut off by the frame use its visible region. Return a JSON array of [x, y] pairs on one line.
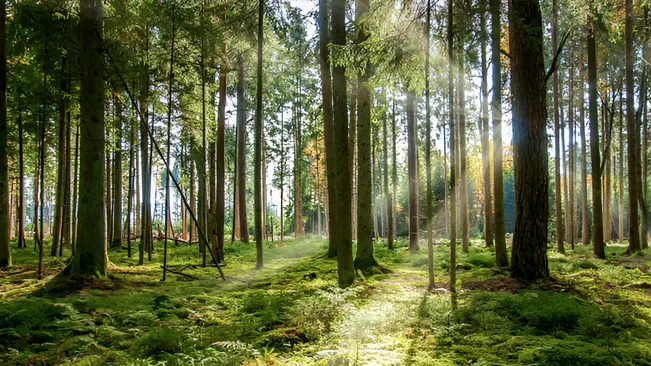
[[74, 192], [241, 150], [374, 190], [258, 143], [36, 196], [485, 132], [21, 180], [585, 224], [61, 160], [453, 219], [352, 131], [412, 171], [326, 93], [5, 249], [117, 175], [394, 169], [167, 162], [108, 199], [345, 266], [428, 155], [465, 225], [501, 258], [221, 169], [365, 185], [621, 172], [528, 86], [565, 178], [633, 228], [146, 235], [298, 205], [90, 257], [560, 246], [389, 201], [571, 180], [597, 212]]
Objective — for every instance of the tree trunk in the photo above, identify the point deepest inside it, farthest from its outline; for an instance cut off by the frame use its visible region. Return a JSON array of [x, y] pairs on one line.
[[90, 257], [241, 150], [565, 178], [74, 192], [597, 213], [352, 132], [557, 134], [633, 228], [528, 86], [485, 132], [221, 169], [571, 180], [21, 179], [585, 224], [345, 266], [146, 235], [61, 160], [465, 225], [108, 199], [453, 219], [326, 93], [5, 249], [258, 143], [298, 205], [428, 154], [496, 108], [117, 175], [365, 185], [412, 171], [394, 168]]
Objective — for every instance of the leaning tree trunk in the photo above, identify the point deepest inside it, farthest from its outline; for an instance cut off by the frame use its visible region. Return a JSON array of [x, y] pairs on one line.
[[528, 86], [90, 257], [501, 258]]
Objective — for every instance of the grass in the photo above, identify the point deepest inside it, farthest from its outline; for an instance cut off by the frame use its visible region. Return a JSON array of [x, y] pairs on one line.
[[590, 312]]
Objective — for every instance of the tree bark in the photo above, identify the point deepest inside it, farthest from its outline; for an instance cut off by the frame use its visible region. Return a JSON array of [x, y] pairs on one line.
[[61, 160], [463, 181], [428, 154], [241, 150], [5, 249], [117, 175], [221, 169], [453, 219], [485, 134], [345, 266], [258, 143], [412, 171], [528, 86], [501, 258], [585, 224], [21, 179], [90, 257], [352, 132], [560, 246], [597, 212]]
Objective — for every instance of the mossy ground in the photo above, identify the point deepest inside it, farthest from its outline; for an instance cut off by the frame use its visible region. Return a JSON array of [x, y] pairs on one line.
[[590, 312]]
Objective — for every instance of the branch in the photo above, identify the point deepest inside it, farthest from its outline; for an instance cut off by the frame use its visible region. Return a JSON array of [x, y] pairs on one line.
[[557, 55]]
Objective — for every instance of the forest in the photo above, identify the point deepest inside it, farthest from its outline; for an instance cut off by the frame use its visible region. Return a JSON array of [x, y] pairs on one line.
[[325, 182]]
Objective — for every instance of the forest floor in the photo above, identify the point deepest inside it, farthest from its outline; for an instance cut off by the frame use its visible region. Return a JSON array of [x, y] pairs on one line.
[[590, 312]]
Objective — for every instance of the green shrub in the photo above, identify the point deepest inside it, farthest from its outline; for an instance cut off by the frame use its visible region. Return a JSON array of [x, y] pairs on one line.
[[160, 341]]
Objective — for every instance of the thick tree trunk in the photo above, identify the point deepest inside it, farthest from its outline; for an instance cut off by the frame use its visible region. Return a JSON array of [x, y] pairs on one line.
[[61, 160], [345, 266], [528, 86], [412, 171], [352, 132], [365, 185], [496, 108], [597, 212], [90, 257]]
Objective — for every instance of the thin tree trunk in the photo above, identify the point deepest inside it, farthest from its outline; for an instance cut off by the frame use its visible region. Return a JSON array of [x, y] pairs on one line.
[[453, 220], [585, 224], [428, 155], [465, 225], [221, 171], [597, 212], [258, 143], [61, 161], [572, 179], [21, 181], [412, 171], [485, 132], [373, 189], [560, 246], [394, 168], [5, 248], [528, 86], [352, 131], [496, 108], [117, 175], [633, 228], [241, 150]]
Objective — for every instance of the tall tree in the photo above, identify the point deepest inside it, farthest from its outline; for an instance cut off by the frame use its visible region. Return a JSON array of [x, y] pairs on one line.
[[557, 134], [241, 150], [412, 168], [364, 258], [5, 250], [428, 155], [326, 94], [90, 256], [585, 223], [258, 143], [117, 174], [345, 266], [528, 87], [597, 213], [452, 182], [485, 133], [632, 135], [496, 108]]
